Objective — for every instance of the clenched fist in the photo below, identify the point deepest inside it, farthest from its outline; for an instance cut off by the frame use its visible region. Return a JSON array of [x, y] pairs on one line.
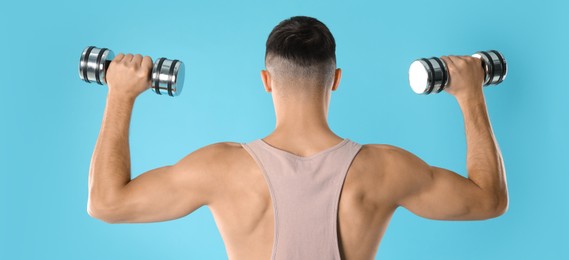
[[129, 75], [466, 76]]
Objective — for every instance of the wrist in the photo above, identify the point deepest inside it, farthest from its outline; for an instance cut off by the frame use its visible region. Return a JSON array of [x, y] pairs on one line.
[[120, 97], [470, 97]]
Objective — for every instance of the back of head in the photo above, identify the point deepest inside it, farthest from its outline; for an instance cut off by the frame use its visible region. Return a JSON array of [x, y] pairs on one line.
[[301, 55]]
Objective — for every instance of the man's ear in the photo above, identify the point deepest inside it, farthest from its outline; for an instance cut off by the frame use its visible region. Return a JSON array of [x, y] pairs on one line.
[[266, 77], [337, 77]]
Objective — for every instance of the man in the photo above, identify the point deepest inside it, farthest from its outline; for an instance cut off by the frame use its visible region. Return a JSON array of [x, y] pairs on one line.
[[302, 192]]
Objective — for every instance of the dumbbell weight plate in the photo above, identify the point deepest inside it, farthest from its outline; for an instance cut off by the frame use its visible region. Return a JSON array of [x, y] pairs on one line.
[[503, 65], [94, 63], [168, 77], [495, 66]]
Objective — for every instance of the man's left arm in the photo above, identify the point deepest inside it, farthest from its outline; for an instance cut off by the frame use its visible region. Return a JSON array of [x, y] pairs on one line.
[[161, 194]]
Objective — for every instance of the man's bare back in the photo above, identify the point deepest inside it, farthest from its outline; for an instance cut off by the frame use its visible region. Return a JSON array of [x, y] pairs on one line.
[[377, 180], [244, 212], [224, 177]]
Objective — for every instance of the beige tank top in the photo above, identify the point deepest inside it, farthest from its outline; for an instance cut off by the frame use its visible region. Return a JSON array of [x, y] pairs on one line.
[[305, 192]]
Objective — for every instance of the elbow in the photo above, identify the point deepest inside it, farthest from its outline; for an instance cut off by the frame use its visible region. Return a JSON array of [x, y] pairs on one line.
[[503, 205], [497, 205], [498, 210], [98, 214], [105, 213]]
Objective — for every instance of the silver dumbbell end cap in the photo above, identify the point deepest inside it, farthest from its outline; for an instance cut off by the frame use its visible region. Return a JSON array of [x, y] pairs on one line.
[[178, 83], [428, 76], [419, 77]]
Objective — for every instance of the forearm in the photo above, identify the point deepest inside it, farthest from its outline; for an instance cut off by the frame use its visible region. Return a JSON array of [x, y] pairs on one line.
[[110, 163], [484, 160]]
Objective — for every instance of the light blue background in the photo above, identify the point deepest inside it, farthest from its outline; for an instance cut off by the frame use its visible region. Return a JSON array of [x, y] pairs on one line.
[[50, 119]]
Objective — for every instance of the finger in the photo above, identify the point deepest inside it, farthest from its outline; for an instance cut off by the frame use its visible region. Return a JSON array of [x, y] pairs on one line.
[[478, 61], [118, 58], [457, 61], [127, 58], [147, 62], [450, 67], [137, 60], [448, 61]]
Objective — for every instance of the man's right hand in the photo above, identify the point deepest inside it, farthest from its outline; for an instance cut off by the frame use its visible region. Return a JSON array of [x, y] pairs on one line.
[[129, 75], [466, 76]]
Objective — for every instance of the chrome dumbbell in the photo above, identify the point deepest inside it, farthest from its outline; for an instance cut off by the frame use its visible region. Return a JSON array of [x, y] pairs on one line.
[[431, 75], [167, 76]]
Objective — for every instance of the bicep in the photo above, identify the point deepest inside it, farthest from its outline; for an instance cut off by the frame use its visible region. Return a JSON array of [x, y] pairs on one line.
[[438, 193], [167, 193]]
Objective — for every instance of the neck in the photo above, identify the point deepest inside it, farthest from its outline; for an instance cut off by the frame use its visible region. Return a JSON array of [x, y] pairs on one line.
[[302, 120]]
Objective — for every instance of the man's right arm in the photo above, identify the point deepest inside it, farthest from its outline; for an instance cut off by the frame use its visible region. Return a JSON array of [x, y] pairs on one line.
[[437, 193]]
